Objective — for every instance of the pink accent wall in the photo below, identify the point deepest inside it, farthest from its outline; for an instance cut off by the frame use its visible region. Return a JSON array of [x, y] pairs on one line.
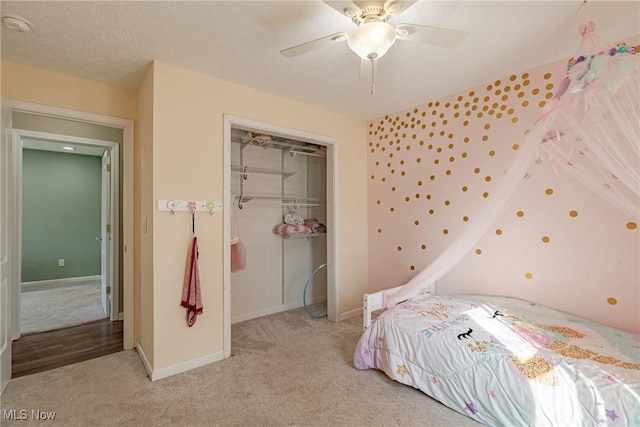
[[432, 167]]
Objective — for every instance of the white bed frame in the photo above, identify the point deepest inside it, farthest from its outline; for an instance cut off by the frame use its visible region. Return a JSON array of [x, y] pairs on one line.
[[373, 302]]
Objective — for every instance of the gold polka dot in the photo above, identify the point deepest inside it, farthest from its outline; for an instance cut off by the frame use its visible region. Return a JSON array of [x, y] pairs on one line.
[[612, 301], [485, 194], [476, 170], [392, 209], [515, 146], [447, 203], [492, 153], [465, 218], [478, 251], [416, 222], [545, 239], [412, 267], [528, 276], [399, 248], [436, 161], [418, 160], [548, 191], [379, 230], [378, 202], [547, 76], [520, 214], [406, 199], [514, 120], [445, 231], [573, 214], [419, 182], [423, 247], [632, 225], [487, 178], [464, 188], [499, 232], [393, 188], [464, 155], [431, 211]]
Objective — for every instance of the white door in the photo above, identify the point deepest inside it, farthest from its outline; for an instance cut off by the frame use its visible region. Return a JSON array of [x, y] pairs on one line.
[[5, 296], [105, 234]]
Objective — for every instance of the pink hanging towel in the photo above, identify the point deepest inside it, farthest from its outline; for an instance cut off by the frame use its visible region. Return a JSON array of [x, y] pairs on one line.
[[191, 297]]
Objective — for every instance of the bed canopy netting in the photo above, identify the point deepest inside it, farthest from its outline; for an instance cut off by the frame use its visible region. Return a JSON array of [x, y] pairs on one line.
[[590, 129]]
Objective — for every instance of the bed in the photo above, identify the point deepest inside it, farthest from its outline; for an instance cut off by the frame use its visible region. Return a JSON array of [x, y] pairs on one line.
[[505, 361]]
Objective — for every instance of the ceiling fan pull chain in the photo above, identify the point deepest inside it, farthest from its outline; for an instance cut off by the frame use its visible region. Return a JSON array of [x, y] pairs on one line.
[[373, 81]]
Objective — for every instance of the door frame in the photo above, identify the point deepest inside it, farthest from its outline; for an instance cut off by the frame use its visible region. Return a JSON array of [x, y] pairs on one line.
[[333, 289], [113, 247], [127, 243]]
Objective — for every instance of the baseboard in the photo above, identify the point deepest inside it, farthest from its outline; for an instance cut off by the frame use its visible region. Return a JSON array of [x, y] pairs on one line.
[[274, 310], [143, 357], [54, 283], [177, 368], [350, 314]]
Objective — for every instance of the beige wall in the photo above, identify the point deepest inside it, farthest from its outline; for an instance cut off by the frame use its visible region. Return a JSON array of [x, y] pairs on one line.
[[188, 164], [179, 155], [48, 88]]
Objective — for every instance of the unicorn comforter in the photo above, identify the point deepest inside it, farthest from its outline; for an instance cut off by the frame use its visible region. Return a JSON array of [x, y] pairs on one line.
[[504, 361]]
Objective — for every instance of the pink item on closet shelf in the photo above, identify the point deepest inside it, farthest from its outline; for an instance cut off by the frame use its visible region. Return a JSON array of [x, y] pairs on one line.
[[238, 252], [191, 295], [289, 229]]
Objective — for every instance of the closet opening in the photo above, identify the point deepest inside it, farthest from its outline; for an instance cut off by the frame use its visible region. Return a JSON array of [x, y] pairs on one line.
[[279, 223]]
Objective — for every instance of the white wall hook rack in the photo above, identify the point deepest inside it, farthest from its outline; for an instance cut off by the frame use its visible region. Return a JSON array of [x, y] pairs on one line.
[[189, 206]]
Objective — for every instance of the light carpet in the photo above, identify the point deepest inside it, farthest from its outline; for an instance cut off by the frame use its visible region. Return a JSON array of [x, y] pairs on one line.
[[61, 306], [286, 369]]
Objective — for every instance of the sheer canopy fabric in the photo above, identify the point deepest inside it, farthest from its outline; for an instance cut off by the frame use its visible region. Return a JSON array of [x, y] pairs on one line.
[[590, 129]]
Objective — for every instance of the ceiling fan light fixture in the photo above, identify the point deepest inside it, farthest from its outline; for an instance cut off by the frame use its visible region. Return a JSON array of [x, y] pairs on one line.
[[371, 40]]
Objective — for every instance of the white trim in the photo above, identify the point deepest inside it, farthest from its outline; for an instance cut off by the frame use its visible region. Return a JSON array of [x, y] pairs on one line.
[[333, 294], [121, 316], [56, 283], [62, 280], [279, 309], [178, 368], [127, 166], [144, 359]]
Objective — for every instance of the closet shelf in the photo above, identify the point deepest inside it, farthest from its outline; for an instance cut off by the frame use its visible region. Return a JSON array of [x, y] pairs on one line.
[[246, 170], [300, 236], [281, 201], [282, 144]]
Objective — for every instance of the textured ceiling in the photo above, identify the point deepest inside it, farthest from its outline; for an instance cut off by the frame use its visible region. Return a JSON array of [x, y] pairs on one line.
[[239, 41]]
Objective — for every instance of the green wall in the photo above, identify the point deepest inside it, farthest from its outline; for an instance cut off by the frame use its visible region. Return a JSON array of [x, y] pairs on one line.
[[61, 197]]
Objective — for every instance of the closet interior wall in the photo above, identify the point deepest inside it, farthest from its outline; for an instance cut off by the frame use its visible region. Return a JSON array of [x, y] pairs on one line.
[[277, 268]]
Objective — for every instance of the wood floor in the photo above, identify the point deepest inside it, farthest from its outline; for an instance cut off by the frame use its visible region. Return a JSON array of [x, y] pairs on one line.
[[42, 351]]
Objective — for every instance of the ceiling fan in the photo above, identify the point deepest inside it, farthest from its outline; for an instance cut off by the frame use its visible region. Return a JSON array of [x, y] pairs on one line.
[[373, 36]]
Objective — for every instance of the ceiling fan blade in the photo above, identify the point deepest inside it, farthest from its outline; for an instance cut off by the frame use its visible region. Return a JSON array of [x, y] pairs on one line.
[[394, 7], [437, 36], [314, 44], [345, 7]]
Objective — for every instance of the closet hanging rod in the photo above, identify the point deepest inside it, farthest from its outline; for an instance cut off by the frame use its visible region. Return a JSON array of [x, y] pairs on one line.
[[294, 152], [245, 170]]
